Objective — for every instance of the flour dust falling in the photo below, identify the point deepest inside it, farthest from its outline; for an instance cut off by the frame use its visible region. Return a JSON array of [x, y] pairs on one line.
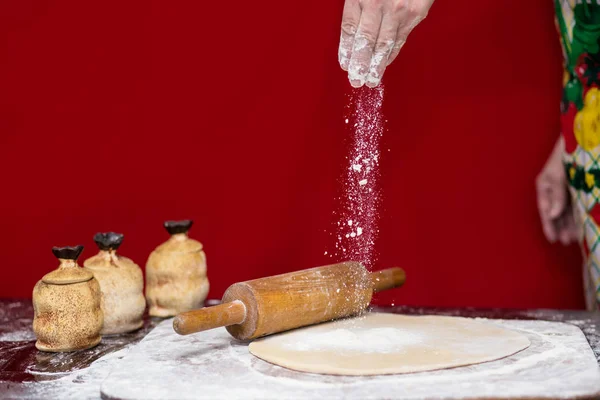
[[357, 223]]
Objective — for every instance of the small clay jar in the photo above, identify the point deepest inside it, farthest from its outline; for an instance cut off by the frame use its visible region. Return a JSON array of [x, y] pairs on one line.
[[122, 285], [66, 304], [176, 273]]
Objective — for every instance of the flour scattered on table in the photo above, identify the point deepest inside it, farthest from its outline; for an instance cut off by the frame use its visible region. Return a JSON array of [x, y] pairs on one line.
[[17, 336], [81, 384], [211, 365]]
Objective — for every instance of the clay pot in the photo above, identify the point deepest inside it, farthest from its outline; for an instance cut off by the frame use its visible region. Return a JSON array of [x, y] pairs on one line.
[[66, 304], [122, 285], [176, 273]]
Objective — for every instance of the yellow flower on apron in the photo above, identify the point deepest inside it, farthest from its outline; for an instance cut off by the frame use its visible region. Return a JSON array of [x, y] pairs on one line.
[[587, 121], [589, 180]]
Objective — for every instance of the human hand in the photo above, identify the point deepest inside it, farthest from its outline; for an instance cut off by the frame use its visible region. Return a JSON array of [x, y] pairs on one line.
[[373, 32], [554, 200]]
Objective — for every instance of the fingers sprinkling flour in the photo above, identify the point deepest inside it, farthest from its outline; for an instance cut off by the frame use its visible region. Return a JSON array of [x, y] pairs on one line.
[[373, 33]]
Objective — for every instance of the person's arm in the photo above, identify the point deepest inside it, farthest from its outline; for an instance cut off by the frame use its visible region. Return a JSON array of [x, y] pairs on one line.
[[553, 199], [373, 32]]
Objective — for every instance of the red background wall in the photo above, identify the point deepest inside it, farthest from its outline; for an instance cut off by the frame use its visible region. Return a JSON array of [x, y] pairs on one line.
[[119, 115]]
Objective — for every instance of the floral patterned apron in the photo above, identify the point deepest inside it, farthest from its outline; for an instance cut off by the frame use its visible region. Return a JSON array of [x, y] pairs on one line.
[[578, 22]]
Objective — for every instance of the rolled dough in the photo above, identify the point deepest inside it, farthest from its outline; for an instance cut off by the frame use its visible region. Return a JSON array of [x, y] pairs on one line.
[[382, 343]]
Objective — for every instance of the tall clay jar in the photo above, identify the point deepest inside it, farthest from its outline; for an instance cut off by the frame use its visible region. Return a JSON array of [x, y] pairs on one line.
[[176, 273], [66, 304], [122, 285]]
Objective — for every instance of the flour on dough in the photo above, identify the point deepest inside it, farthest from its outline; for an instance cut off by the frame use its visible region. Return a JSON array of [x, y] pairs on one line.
[[381, 343]]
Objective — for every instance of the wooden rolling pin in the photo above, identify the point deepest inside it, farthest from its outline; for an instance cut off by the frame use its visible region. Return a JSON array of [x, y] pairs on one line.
[[278, 303]]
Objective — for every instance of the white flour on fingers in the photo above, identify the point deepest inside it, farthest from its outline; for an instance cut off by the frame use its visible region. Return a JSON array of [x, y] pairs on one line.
[[379, 62]]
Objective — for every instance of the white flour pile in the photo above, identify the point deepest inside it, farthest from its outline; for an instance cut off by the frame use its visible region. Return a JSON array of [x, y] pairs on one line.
[[357, 223], [363, 340]]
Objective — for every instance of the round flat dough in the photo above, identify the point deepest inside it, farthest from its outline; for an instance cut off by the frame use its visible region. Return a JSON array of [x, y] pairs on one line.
[[381, 343]]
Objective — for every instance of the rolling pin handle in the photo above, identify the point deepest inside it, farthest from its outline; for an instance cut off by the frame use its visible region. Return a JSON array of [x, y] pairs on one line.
[[206, 318], [387, 279]]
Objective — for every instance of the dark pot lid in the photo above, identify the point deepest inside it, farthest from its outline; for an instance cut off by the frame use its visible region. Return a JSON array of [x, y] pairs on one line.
[[175, 227], [108, 240]]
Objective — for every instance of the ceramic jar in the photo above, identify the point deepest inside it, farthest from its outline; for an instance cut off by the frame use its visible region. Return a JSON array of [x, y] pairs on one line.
[[66, 304], [176, 273], [121, 283]]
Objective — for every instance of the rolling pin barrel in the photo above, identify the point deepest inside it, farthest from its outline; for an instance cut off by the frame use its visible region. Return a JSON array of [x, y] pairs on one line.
[[278, 303]]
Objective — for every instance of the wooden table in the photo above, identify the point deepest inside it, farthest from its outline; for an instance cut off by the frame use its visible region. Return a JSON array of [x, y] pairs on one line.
[[22, 366]]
